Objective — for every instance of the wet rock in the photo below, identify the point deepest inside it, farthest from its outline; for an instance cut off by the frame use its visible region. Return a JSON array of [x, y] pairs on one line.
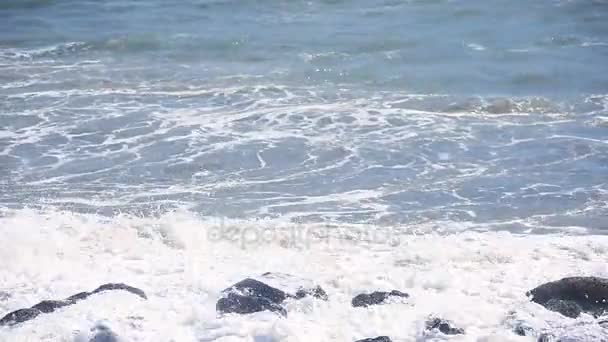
[[545, 338], [79, 296], [256, 288], [443, 326], [522, 323], [102, 333], [121, 286], [316, 292], [573, 295], [249, 296], [235, 303], [524, 330], [48, 306], [375, 298], [567, 308], [253, 295], [376, 339], [554, 328], [19, 316], [294, 287]]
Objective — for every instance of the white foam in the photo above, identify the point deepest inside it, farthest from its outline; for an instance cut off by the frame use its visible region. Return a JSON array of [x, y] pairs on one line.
[[476, 47], [594, 43], [478, 280]]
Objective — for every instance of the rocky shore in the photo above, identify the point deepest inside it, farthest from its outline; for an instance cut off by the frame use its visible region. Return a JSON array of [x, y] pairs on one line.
[[571, 297]]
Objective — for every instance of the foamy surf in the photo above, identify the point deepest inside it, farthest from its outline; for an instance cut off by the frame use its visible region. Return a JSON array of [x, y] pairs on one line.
[[183, 262]]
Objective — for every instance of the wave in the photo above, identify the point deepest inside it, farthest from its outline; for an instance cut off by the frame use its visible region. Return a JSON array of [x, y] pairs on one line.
[[365, 157], [51, 51], [24, 4], [183, 261], [128, 43]]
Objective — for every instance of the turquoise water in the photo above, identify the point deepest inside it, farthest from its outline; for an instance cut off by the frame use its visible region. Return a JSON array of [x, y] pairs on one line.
[[488, 114], [462, 47]]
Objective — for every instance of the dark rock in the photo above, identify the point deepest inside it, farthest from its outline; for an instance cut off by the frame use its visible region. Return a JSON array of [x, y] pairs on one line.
[[121, 286], [22, 315], [443, 326], [256, 288], [521, 323], [235, 303], [48, 306], [562, 331], [104, 337], [523, 330], [316, 292], [294, 287], [545, 338], [555, 329], [590, 294], [567, 308], [375, 298], [79, 296], [19, 316], [249, 296], [252, 295], [376, 339]]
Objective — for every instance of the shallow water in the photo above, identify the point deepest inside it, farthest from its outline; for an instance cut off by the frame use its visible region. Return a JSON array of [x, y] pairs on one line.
[[395, 112]]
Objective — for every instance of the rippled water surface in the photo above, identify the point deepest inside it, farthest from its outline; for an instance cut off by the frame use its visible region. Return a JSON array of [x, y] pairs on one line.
[[488, 114]]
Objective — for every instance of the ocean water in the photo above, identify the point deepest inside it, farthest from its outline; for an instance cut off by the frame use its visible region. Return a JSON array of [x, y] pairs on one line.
[[182, 146]]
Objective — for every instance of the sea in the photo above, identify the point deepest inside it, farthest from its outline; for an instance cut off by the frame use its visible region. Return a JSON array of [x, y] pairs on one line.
[[456, 150]]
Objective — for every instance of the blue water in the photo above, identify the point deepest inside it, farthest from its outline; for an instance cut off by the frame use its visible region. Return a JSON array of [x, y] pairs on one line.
[[476, 114]]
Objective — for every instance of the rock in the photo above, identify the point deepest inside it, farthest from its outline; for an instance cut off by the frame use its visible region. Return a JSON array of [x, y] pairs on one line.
[[443, 326], [555, 328], [524, 330], [48, 306], [545, 338], [19, 316], [249, 296], [567, 308], [253, 295], [252, 287], [293, 286], [102, 333], [104, 337], [316, 292], [375, 298], [376, 339], [527, 331], [121, 286], [79, 296], [569, 295], [235, 303]]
